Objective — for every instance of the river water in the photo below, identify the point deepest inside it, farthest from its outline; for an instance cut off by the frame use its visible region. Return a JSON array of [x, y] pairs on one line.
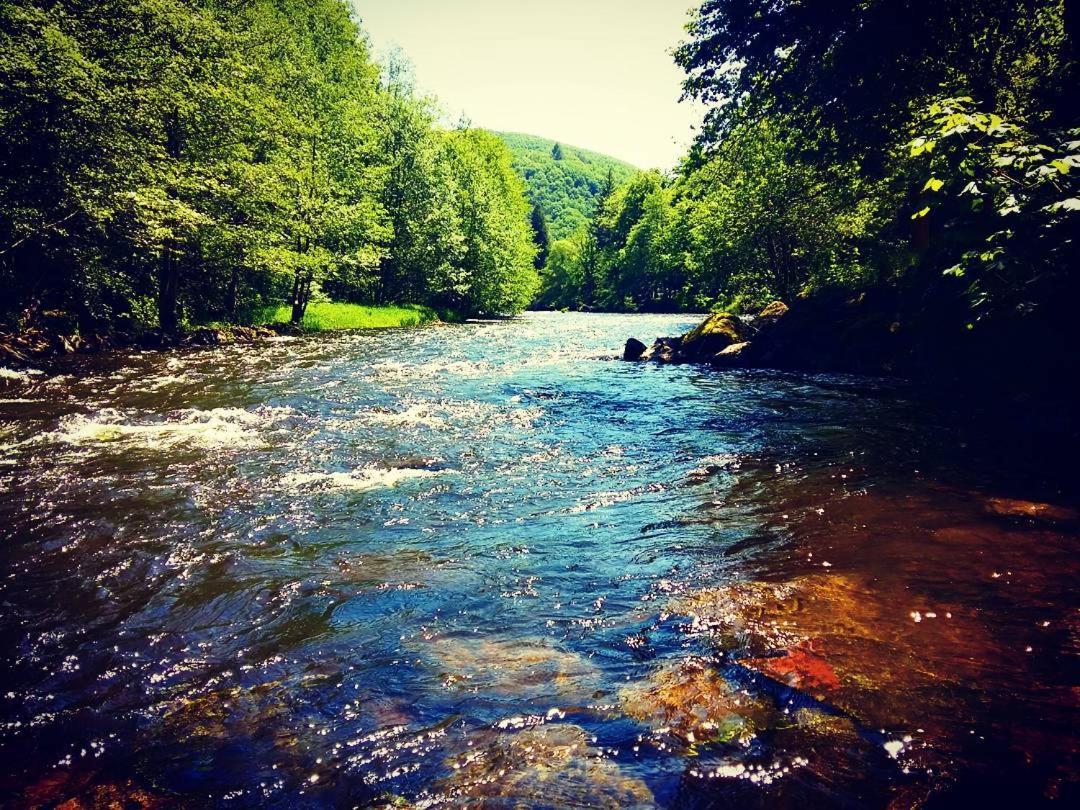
[[490, 565]]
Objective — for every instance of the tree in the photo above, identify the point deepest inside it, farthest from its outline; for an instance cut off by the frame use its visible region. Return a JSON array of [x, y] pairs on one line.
[[561, 279], [178, 161], [566, 190], [798, 60], [541, 236], [498, 276], [557, 152]]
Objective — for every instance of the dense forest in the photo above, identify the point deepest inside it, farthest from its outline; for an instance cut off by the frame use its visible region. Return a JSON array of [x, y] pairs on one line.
[[564, 182], [184, 161], [931, 146], [174, 163]]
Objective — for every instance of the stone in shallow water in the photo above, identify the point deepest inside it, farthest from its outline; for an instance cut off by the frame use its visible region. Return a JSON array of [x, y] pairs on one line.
[[78, 789], [528, 667], [225, 713], [801, 667], [547, 766], [838, 638], [692, 700], [730, 356], [1048, 512], [124, 795]]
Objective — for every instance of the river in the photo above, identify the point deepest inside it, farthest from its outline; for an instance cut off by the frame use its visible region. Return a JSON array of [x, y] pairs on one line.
[[490, 565]]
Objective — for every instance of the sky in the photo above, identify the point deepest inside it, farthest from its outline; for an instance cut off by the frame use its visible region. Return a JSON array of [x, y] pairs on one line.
[[592, 73]]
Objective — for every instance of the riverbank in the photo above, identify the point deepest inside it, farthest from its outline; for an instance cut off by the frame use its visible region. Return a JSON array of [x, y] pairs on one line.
[[331, 316], [52, 335], [887, 331], [1011, 372]]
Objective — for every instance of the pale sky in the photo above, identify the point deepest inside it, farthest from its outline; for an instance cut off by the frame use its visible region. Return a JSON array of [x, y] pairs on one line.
[[593, 73]]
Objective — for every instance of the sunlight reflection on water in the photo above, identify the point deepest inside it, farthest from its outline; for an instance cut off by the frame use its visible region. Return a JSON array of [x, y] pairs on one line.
[[488, 563]]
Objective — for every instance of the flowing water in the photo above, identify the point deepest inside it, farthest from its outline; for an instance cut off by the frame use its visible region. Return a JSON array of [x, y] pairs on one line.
[[489, 565]]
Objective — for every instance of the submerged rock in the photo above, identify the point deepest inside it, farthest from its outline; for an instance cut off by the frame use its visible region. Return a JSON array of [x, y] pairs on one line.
[[546, 766], [800, 667], [1047, 512], [225, 713], [526, 667], [690, 699], [79, 790], [843, 639]]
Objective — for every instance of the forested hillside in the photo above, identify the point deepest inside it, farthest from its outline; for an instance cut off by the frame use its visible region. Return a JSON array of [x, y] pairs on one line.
[[948, 170], [564, 181], [190, 160]]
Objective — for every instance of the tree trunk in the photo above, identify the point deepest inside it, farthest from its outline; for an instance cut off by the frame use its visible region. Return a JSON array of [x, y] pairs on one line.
[[230, 292], [297, 308], [301, 296], [168, 270]]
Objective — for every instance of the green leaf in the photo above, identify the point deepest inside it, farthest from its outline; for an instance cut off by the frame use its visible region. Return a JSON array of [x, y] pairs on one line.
[[921, 214], [1060, 165], [933, 184]]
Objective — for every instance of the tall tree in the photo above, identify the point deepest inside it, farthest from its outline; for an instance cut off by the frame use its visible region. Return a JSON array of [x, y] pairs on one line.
[[541, 236]]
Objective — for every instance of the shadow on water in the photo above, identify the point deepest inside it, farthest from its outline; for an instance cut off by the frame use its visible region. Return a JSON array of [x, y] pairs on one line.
[[481, 565]]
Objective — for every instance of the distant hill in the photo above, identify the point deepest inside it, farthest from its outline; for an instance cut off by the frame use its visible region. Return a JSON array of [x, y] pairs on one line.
[[566, 188]]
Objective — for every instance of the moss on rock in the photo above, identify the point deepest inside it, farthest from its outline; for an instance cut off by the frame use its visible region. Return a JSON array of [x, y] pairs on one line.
[[716, 333]]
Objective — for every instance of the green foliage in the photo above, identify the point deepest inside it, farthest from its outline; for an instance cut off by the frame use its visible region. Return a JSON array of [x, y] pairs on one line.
[[561, 280], [1010, 203], [565, 188], [846, 71], [753, 223], [210, 157], [901, 140], [496, 274], [848, 144], [541, 235]]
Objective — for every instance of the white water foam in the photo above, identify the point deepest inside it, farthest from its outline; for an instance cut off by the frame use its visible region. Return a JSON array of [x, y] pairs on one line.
[[19, 376], [361, 479], [217, 428]]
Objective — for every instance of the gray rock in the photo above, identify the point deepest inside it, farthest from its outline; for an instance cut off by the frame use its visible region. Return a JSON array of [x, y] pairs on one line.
[[634, 349]]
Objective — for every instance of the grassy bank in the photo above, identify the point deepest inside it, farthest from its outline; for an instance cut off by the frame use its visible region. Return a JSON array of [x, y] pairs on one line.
[[325, 316]]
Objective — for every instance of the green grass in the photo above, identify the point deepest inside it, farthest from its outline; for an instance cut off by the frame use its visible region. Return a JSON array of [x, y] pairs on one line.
[[326, 316]]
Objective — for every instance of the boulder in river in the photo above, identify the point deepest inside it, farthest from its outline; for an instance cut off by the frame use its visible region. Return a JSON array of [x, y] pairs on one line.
[[208, 336], [664, 350], [634, 349], [772, 314], [730, 355], [713, 335]]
